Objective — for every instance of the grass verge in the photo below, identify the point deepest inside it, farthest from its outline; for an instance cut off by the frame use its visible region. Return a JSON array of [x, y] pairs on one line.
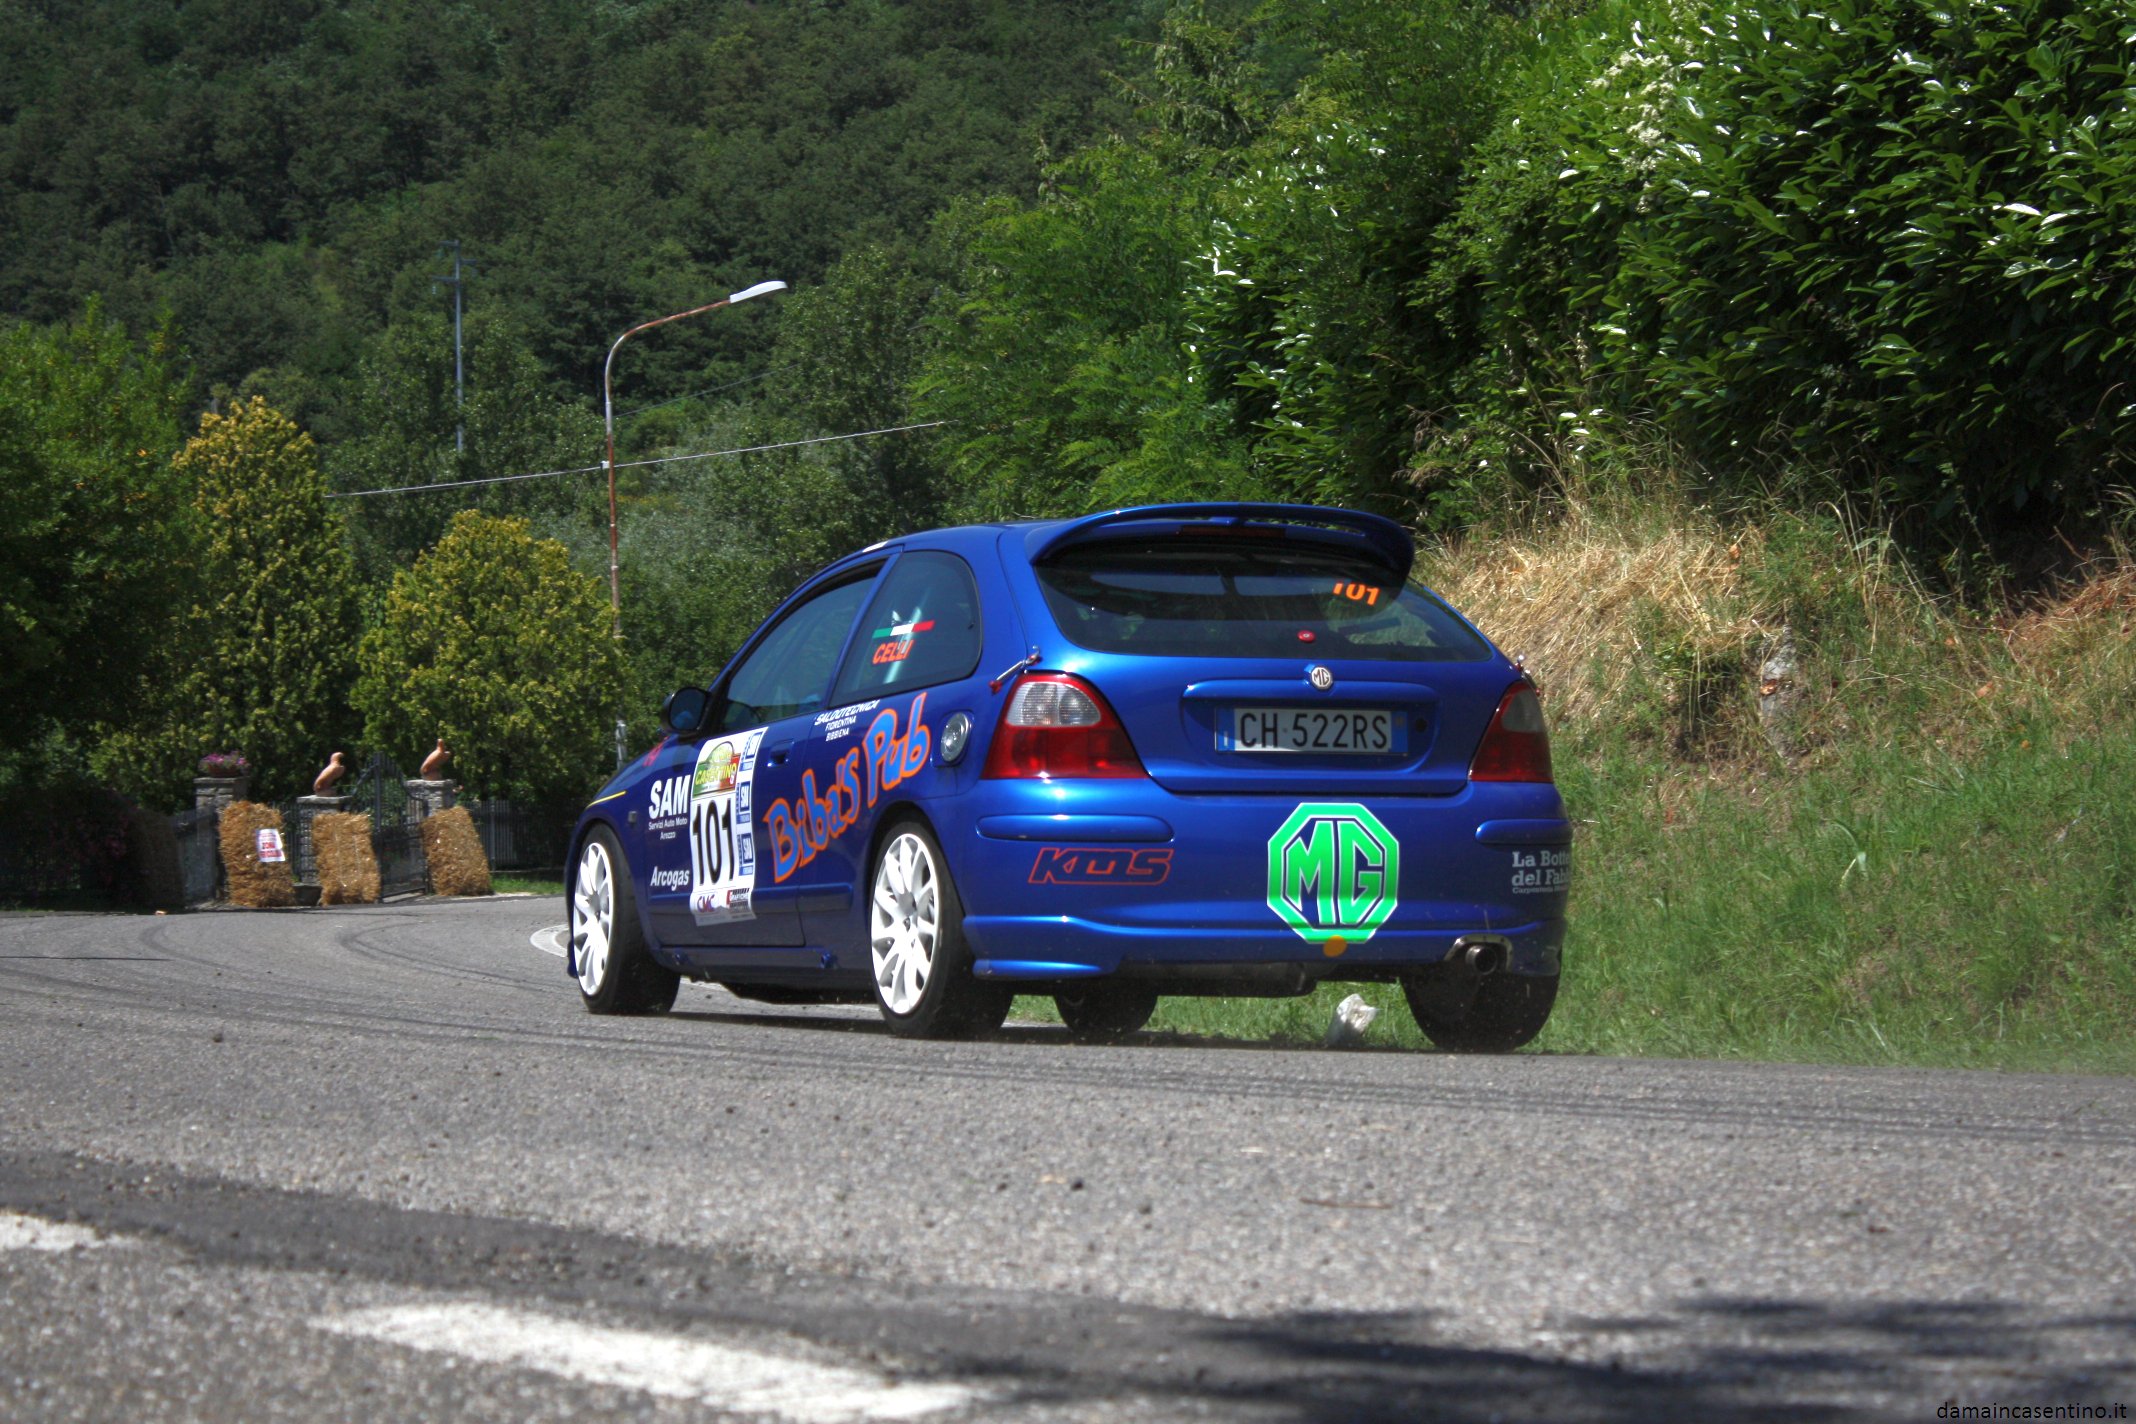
[[522, 885]]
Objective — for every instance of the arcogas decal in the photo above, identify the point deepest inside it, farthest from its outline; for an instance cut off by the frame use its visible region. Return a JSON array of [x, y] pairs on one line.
[[800, 829]]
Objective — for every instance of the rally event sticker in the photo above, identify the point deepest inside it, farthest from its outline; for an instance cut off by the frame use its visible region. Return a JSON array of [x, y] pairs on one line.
[[722, 847]]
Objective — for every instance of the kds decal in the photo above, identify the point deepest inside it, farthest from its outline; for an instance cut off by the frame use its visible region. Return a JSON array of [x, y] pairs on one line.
[[1102, 865]]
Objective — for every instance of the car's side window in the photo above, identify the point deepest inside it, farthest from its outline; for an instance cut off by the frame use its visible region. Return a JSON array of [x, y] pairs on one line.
[[789, 670], [921, 628]]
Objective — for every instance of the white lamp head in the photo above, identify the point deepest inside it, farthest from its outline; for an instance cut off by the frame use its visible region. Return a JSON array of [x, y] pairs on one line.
[[761, 289]]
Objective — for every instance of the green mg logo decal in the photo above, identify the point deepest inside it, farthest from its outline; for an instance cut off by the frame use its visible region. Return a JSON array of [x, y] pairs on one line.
[[1333, 870]]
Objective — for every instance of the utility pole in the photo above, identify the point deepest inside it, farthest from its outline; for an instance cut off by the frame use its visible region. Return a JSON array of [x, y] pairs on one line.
[[457, 281]]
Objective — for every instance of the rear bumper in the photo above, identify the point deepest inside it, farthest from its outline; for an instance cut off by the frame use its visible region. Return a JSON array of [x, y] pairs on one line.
[[1076, 880], [1065, 947]]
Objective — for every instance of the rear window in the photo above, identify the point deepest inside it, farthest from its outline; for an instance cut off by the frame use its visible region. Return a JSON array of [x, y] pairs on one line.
[[1238, 599]]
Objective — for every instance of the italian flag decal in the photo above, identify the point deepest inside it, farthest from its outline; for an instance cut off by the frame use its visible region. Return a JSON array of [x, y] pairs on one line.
[[902, 630]]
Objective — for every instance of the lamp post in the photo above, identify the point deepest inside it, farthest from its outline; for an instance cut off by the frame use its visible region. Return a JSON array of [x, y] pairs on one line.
[[608, 417]]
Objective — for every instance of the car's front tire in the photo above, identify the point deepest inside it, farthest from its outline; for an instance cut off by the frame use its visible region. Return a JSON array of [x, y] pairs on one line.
[[1508, 1011], [616, 971], [1101, 1012], [921, 964]]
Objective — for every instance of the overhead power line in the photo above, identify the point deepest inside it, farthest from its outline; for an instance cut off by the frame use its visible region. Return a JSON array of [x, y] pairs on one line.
[[707, 391], [637, 464]]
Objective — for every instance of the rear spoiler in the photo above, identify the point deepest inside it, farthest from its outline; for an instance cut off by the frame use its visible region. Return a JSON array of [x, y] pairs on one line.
[[1386, 540]]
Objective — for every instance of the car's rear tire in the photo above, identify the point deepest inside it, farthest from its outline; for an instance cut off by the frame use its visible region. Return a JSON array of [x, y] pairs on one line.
[[616, 970], [1100, 1012], [1508, 1011], [918, 958]]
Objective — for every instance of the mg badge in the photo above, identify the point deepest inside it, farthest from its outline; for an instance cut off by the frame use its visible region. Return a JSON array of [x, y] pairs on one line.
[[1334, 870], [1321, 678]]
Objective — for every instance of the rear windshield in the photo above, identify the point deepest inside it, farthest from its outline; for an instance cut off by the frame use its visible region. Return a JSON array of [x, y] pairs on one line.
[[1241, 599]]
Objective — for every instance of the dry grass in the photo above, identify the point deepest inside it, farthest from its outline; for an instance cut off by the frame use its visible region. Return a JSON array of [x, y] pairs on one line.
[[254, 883], [458, 865], [1663, 617], [1583, 600], [348, 868]]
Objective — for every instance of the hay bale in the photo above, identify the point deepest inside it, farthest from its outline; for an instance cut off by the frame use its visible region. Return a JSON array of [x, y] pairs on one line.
[[253, 883], [348, 868], [454, 851]]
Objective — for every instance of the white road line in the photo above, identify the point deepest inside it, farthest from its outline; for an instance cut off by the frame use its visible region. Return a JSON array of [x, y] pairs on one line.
[[730, 1377], [34, 1233], [550, 940]]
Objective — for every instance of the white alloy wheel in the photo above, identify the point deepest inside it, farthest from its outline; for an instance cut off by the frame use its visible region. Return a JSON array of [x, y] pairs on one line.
[[904, 922], [593, 915]]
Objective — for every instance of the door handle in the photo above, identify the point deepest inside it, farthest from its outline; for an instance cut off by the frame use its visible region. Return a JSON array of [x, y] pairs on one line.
[[778, 754]]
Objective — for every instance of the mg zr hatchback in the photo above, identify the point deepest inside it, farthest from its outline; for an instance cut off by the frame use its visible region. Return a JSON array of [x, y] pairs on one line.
[[1188, 749]]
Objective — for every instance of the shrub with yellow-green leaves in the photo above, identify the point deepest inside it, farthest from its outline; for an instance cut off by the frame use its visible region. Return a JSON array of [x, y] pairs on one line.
[[261, 659], [495, 643]]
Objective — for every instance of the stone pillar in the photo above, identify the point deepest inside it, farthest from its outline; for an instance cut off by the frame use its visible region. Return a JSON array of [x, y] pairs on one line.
[[304, 855], [212, 793], [427, 798]]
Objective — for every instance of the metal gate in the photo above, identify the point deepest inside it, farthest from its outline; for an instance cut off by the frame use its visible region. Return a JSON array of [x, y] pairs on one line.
[[396, 827]]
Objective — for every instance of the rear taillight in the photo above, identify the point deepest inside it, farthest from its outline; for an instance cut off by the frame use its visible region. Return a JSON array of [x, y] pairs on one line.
[[1517, 745], [1056, 725]]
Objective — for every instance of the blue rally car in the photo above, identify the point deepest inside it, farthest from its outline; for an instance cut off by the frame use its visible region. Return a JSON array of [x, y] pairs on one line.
[[1188, 749]]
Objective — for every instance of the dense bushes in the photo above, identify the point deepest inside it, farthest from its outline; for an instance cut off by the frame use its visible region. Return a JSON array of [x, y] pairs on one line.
[[1880, 238]]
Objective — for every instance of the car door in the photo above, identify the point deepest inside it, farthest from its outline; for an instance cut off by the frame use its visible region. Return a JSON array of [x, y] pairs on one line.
[[872, 747], [711, 884]]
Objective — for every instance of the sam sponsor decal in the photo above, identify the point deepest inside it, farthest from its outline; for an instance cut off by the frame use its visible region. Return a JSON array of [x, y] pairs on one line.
[[668, 802], [802, 828]]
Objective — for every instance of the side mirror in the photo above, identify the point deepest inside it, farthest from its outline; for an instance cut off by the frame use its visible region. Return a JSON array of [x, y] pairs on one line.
[[686, 710]]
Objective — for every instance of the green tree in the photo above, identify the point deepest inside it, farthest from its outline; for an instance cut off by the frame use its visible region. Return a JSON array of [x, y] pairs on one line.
[[493, 642], [264, 660], [94, 539], [1062, 361], [1220, 308], [408, 424]]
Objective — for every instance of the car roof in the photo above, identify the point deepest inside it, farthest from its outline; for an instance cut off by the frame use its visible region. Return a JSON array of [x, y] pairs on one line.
[[1382, 538]]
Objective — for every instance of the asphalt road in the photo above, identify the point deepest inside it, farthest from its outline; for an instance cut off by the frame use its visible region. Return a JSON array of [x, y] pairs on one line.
[[378, 1164]]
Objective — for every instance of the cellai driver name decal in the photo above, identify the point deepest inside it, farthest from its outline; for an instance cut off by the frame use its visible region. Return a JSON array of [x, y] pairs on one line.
[[722, 847], [1333, 873]]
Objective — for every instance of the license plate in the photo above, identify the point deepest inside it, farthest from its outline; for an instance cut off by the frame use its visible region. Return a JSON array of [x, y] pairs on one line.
[[1338, 731]]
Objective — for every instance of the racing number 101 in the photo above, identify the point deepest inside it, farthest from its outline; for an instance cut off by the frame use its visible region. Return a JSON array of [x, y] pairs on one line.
[[712, 838], [1363, 593]]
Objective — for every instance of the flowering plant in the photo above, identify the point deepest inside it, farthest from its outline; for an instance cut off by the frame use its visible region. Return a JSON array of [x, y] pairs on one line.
[[225, 764]]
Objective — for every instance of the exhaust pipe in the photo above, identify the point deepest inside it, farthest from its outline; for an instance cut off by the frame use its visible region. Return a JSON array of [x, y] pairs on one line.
[[1481, 954]]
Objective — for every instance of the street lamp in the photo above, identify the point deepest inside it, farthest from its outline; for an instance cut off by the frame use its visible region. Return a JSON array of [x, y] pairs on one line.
[[608, 416]]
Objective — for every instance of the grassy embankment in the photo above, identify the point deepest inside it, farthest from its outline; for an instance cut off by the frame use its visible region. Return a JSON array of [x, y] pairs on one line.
[[1943, 872]]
